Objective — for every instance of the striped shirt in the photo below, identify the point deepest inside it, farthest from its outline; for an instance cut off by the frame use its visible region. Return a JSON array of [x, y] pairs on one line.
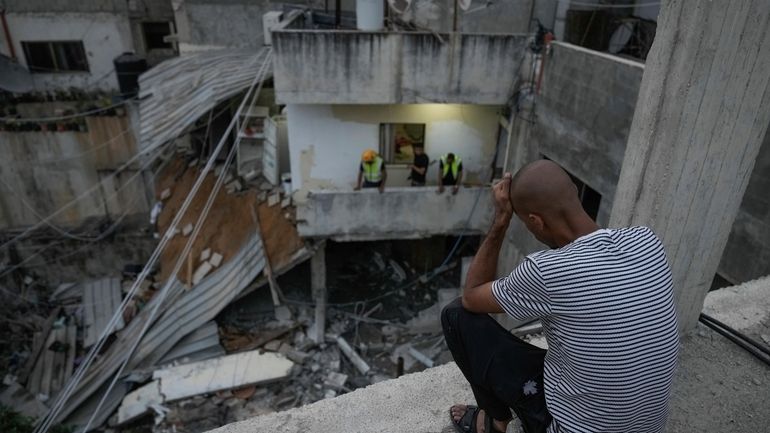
[[607, 308]]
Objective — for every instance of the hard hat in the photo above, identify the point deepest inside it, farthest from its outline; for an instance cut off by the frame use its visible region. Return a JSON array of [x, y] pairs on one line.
[[368, 155]]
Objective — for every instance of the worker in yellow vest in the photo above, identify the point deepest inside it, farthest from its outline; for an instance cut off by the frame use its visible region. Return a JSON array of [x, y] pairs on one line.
[[450, 173], [371, 171]]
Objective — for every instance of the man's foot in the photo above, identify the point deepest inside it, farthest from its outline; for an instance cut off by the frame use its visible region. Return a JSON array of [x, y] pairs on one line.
[[458, 411]]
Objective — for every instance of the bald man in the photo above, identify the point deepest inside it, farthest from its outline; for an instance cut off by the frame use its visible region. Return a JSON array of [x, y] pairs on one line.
[[604, 297]]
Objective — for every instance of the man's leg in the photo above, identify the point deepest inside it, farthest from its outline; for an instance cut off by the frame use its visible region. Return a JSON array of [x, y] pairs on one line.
[[504, 372]]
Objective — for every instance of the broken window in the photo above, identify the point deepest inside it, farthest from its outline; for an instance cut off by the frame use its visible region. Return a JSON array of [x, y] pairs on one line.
[[589, 197], [60, 56], [154, 33], [398, 140]]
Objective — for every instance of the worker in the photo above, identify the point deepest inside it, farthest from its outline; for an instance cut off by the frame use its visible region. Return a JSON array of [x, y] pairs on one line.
[[450, 173], [419, 166], [371, 171]]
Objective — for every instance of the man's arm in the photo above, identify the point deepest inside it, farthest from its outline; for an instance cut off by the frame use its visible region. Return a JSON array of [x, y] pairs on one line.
[[477, 294], [358, 182], [440, 179]]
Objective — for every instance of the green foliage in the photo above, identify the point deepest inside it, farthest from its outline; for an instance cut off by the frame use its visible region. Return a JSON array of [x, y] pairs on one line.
[[14, 422]]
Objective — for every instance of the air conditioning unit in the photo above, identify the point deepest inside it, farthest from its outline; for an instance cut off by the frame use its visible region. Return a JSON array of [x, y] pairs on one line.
[[269, 21]]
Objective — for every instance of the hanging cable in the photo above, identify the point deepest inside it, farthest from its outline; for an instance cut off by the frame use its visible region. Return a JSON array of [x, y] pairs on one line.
[[66, 117]]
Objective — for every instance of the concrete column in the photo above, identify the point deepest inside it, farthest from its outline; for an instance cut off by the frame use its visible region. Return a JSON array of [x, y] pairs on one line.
[[318, 286], [703, 109]]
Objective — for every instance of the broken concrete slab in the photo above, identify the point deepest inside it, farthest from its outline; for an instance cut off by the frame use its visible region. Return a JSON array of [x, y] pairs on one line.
[[138, 402], [186, 230], [273, 199], [205, 254], [286, 202], [336, 380], [228, 372], [165, 194], [201, 272], [216, 260]]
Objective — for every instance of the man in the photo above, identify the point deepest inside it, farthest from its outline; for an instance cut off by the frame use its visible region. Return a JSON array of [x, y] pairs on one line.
[[419, 166], [371, 171], [450, 172], [604, 297]]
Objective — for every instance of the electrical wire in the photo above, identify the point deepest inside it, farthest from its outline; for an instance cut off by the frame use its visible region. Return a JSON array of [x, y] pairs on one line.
[[609, 6], [64, 395]]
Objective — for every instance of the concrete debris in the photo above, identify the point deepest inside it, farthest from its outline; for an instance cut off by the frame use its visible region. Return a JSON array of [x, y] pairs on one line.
[[234, 186], [17, 397], [425, 360], [205, 254], [336, 380], [357, 361], [166, 193], [201, 272], [398, 272], [273, 199], [186, 230], [216, 260], [286, 202], [251, 175], [205, 377]]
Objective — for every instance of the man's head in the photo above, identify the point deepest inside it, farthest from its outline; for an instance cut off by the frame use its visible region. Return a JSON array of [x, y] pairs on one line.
[[368, 156], [546, 200], [450, 157], [418, 150]]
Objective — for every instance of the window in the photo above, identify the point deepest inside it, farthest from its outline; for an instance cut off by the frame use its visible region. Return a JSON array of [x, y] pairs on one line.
[[397, 141], [154, 34], [60, 56], [589, 197]]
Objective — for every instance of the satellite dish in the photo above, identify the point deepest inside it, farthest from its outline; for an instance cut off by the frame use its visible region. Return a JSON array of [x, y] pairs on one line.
[[400, 6], [464, 4], [621, 36]]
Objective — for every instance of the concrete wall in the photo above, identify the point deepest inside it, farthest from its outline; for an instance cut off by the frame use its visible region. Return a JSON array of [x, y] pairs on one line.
[[399, 213], [747, 254], [212, 24], [104, 36], [326, 141], [49, 169], [351, 67], [581, 121]]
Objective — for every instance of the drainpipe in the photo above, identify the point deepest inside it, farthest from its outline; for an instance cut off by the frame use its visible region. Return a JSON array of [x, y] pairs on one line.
[[7, 32]]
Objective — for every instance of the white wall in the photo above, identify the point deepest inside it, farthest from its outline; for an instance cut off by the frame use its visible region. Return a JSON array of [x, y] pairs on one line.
[[326, 141], [104, 35]]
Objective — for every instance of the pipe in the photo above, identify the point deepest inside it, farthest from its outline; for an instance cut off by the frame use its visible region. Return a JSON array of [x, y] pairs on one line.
[[7, 32], [755, 348]]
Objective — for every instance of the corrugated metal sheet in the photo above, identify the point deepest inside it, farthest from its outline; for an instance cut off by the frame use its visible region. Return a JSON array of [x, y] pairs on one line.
[[183, 312], [101, 299], [201, 344], [177, 92], [55, 364]]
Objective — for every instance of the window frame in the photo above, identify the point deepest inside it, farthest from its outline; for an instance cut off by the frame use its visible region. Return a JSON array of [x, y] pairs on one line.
[[27, 45]]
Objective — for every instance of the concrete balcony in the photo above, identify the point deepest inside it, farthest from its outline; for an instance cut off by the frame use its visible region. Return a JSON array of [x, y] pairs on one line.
[[333, 66], [398, 213]]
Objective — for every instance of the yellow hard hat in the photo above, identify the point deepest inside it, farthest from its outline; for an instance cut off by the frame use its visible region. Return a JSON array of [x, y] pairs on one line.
[[368, 155]]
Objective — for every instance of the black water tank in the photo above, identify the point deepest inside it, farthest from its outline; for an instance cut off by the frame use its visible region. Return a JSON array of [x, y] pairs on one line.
[[128, 67]]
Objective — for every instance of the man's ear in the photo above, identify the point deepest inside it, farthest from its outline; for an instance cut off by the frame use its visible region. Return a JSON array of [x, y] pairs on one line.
[[536, 221]]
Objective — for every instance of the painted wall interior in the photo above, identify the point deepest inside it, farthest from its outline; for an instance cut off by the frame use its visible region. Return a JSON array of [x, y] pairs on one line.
[[326, 141]]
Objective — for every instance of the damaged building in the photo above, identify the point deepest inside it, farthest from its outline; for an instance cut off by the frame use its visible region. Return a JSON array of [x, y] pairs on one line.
[[182, 244]]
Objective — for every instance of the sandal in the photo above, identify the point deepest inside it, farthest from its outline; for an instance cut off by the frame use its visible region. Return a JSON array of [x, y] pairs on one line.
[[467, 424]]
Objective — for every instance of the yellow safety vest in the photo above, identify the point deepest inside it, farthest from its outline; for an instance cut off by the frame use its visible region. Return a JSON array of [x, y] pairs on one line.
[[455, 166], [373, 171]]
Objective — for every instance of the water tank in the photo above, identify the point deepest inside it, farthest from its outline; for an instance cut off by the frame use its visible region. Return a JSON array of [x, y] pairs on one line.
[[370, 15], [128, 67]]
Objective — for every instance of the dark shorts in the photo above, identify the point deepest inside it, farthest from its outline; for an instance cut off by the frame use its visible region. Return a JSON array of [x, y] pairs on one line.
[[368, 184], [505, 373]]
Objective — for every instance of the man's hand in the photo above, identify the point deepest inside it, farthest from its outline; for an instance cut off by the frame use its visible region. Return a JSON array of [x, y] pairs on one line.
[[440, 189], [381, 188], [502, 196], [455, 189], [357, 187]]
